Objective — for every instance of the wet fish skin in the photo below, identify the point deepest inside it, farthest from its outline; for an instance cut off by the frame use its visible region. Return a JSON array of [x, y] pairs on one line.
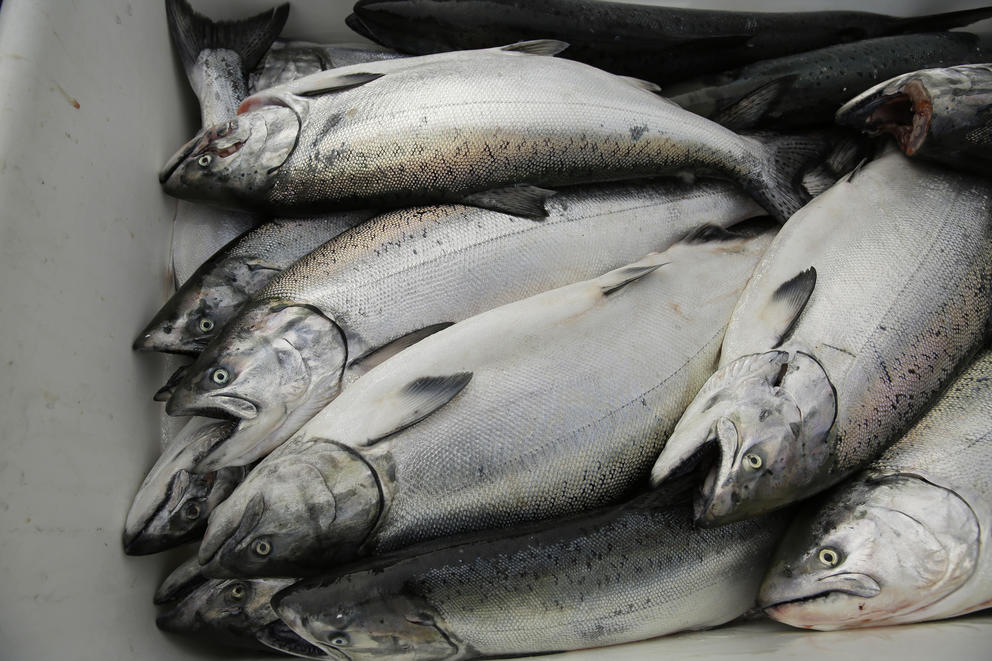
[[220, 286], [807, 89], [626, 574], [390, 133], [662, 44], [288, 60], [940, 114], [824, 365], [444, 437], [173, 502], [908, 539], [417, 270]]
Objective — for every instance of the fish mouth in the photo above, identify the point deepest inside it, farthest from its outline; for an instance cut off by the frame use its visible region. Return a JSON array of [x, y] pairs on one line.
[[279, 636], [854, 584], [905, 115], [218, 405], [198, 140], [224, 534]]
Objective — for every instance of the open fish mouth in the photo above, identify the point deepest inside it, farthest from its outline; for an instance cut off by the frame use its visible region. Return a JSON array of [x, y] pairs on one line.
[[905, 115], [198, 141], [280, 637]]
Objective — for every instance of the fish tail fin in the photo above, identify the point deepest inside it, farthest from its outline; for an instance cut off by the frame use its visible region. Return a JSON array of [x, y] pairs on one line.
[[939, 22], [250, 38], [786, 160]]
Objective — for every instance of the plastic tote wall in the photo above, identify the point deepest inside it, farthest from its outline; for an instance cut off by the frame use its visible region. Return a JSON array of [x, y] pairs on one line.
[[92, 102]]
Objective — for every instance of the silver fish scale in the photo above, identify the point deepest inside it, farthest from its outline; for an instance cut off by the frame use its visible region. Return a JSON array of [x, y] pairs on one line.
[[564, 421], [447, 127], [903, 255], [281, 242], [406, 270], [952, 444], [643, 574]]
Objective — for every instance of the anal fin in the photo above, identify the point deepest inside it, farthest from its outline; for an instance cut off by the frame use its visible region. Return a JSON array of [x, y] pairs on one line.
[[518, 200]]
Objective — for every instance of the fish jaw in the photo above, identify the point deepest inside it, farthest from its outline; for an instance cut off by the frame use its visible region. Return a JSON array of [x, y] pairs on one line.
[[903, 108], [296, 514], [282, 638], [766, 422]]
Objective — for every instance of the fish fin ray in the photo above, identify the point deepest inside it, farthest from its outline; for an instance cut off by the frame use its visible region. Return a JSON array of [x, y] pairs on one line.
[[778, 187], [547, 47], [250, 38], [787, 303], [642, 84], [751, 108], [522, 200], [414, 402], [379, 355], [617, 279]]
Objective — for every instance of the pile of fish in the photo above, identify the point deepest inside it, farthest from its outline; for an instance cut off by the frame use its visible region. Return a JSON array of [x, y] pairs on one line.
[[488, 351]]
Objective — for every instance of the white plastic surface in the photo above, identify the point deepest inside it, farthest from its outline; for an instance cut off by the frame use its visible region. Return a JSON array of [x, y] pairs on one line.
[[92, 102]]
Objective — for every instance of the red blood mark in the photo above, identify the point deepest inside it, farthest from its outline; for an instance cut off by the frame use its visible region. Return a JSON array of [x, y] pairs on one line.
[[72, 101]]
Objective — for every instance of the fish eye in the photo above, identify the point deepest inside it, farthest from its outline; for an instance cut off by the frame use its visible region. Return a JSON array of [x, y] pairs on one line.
[[261, 547], [204, 160], [238, 592], [339, 638], [829, 557], [191, 511], [206, 325], [220, 376], [752, 461]]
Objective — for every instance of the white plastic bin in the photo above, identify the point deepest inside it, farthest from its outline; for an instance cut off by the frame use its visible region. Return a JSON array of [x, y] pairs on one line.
[[93, 102]]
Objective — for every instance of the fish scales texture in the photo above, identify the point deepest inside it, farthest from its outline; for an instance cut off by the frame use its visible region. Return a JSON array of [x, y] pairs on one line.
[[918, 276], [479, 120], [644, 574], [568, 431], [414, 268]]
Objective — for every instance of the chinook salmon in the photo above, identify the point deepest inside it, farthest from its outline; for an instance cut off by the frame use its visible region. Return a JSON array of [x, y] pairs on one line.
[[548, 406], [808, 88], [858, 315], [662, 44], [600, 579], [382, 286], [221, 285], [484, 127], [939, 114], [908, 540], [216, 56]]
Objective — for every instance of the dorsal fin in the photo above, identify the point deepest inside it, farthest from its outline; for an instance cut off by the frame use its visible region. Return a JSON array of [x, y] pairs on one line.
[[412, 403], [548, 47]]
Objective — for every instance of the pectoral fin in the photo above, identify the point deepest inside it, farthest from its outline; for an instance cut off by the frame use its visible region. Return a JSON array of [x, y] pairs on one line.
[[548, 47], [317, 84], [748, 111], [414, 402], [377, 356], [775, 321], [616, 279]]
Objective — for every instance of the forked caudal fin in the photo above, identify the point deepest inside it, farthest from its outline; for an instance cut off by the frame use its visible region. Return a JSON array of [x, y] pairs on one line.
[[777, 184], [250, 38]]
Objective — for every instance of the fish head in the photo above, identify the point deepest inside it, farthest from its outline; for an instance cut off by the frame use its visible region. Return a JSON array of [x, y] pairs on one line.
[[268, 360], [173, 502], [183, 517], [304, 507], [203, 305], [233, 163], [357, 618], [234, 611], [902, 107], [872, 551], [758, 429]]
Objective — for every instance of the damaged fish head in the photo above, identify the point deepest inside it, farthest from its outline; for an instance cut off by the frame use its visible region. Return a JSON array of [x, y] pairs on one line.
[[233, 164], [269, 361], [303, 508], [874, 550], [196, 313], [760, 423], [348, 620], [902, 108]]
